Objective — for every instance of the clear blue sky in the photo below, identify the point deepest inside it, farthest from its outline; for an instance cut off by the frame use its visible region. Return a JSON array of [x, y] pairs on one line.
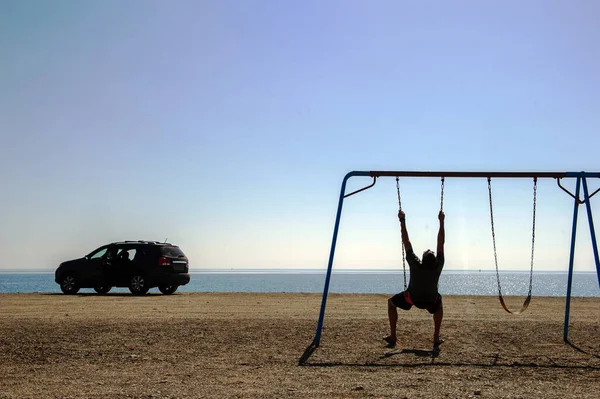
[[227, 127]]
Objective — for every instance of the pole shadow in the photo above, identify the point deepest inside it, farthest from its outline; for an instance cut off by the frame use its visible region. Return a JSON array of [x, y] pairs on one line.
[[578, 349], [432, 363], [435, 352], [432, 356]]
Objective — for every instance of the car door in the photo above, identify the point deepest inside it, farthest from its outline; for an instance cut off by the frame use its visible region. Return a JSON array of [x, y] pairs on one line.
[[110, 266], [128, 266], [94, 270]]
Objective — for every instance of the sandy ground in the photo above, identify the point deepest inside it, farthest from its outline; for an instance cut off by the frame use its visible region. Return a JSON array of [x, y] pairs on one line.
[[247, 345]]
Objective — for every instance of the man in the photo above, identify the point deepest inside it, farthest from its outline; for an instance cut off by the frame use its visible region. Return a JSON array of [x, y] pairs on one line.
[[422, 290]]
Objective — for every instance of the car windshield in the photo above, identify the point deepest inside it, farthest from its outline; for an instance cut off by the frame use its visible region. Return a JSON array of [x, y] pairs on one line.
[[98, 253], [171, 251]]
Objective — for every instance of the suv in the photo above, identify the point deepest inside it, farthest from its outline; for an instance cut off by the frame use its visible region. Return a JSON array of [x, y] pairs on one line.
[[139, 265]]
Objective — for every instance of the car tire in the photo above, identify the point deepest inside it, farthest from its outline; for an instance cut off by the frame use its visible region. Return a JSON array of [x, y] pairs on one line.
[[102, 289], [68, 284], [138, 285], [167, 289]]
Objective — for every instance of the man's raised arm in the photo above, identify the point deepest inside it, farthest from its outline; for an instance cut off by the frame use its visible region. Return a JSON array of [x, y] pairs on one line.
[[441, 234], [405, 239]]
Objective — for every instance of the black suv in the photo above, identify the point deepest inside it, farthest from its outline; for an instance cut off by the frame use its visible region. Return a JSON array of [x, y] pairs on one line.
[[139, 265]]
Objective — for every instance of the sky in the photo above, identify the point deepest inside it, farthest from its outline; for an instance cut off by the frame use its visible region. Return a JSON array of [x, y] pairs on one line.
[[226, 127]]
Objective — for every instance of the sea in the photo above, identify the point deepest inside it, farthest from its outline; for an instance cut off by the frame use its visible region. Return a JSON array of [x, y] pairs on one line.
[[452, 282]]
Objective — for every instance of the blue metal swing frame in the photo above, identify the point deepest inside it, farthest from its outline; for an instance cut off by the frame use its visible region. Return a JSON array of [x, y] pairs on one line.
[[581, 182]]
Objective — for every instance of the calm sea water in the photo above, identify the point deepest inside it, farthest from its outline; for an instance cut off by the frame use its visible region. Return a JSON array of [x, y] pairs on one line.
[[585, 284]]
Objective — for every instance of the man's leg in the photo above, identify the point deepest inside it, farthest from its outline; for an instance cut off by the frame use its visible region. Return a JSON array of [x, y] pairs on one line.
[[395, 302], [437, 322], [393, 316]]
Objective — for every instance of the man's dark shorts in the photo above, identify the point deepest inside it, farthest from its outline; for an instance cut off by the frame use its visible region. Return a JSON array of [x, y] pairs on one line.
[[404, 301]]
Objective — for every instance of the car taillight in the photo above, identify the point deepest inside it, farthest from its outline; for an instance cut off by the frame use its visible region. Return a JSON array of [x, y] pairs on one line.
[[163, 262]]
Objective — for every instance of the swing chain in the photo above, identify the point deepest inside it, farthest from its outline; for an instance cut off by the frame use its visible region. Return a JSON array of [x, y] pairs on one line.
[[403, 252], [532, 236], [494, 235], [442, 197], [398, 190], [533, 233]]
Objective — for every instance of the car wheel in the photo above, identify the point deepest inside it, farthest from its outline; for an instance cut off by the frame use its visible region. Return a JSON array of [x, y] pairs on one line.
[[68, 284], [102, 289], [138, 285], [167, 289]]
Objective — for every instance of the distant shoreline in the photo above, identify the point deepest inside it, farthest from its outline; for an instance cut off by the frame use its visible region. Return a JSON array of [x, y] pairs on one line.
[[302, 271], [452, 282]]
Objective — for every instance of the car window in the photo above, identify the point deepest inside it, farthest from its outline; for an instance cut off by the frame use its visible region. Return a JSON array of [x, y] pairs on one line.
[[126, 253], [141, 252], [171, 251], [99, 253]]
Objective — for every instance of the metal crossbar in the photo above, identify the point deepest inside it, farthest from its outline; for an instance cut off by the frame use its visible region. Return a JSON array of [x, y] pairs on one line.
[[554, 175]]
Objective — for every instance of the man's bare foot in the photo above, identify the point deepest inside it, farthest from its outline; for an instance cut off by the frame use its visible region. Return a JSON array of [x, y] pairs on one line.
[[437, 342], [391, 341]]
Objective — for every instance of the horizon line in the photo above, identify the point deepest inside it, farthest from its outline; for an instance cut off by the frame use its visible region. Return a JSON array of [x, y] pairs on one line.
[[317, 270]]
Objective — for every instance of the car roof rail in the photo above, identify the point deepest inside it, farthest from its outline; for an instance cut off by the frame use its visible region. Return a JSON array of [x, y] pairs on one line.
[[141, 242]]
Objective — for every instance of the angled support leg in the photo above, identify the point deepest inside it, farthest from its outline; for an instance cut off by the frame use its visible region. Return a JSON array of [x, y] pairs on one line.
[[571, 259], [316, 341]]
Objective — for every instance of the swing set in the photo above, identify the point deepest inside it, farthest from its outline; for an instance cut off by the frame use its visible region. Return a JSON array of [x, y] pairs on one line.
[[580, 182]]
